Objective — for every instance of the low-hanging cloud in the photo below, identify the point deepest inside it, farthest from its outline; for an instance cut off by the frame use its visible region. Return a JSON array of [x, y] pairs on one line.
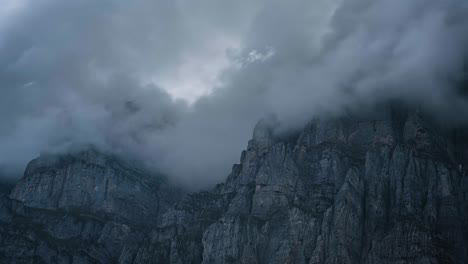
[[111, 73]]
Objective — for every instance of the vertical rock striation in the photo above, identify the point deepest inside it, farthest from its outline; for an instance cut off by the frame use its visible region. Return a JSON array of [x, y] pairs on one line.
[[388, 187], [93, 182]]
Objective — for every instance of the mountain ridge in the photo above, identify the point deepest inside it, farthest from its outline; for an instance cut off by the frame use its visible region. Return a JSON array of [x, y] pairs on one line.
[[387, 187]]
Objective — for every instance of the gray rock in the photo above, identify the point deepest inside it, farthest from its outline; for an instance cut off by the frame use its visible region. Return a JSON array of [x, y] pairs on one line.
[[93, 182], [386, 187]]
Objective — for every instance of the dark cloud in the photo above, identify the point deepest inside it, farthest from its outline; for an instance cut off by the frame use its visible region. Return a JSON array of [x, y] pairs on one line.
[[106, 72]]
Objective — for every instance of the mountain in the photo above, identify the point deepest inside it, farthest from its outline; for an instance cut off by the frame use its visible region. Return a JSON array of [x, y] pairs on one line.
[[80, 208], [386, 186], [92, 182]]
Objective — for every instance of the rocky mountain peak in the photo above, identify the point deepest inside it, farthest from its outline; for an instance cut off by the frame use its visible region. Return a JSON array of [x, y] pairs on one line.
[[263, 133], [92, 181], [382, 186]]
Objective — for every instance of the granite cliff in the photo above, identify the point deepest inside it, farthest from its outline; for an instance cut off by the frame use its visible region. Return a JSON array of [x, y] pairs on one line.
[[387, 187]]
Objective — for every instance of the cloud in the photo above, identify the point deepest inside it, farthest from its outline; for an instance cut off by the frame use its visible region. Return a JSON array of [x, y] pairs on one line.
[[118, 74]]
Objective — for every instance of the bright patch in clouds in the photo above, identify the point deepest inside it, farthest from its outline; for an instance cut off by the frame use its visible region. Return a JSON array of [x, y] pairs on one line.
[[8, 8], [199, 73], [254, 56]]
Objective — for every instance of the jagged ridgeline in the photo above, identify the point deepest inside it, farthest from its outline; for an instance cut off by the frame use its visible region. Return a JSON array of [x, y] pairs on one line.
[[388, 187]]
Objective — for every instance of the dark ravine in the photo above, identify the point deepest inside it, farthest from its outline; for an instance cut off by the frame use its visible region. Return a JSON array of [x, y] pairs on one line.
[[389, 187]]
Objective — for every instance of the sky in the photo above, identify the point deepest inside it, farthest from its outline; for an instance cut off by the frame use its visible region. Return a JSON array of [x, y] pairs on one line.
[[180, 84]]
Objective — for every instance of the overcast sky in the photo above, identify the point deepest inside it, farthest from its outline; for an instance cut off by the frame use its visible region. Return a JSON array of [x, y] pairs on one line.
[[180, 84]]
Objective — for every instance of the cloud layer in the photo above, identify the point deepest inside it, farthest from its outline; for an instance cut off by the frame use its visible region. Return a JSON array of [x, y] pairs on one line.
[[181, 84]]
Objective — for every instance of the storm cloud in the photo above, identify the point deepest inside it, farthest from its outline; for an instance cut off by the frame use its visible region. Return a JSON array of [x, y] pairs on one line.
[[181, 84]]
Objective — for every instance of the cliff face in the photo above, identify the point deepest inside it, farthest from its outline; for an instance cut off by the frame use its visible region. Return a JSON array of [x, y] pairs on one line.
[[387, 187], [92, 182], [79, 208]]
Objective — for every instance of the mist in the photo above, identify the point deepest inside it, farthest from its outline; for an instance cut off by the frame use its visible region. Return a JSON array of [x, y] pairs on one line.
[[180, 84]]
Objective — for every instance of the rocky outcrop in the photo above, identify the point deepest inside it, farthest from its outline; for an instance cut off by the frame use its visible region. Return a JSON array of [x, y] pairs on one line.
[[387, 187], [80, 208], [90, 181], [30, 235]]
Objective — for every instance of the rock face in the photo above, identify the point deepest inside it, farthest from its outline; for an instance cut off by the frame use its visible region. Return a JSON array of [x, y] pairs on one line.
[[80, 208], [92, 182], [388, 187]]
